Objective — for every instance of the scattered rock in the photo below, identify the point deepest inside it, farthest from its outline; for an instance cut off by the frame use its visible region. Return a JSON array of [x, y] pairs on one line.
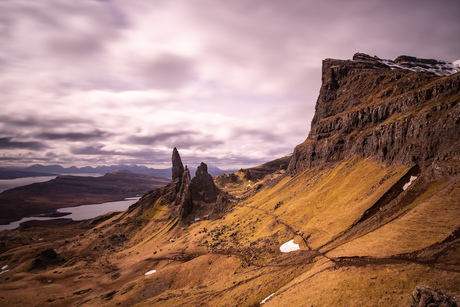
[[424, 296], [46, 259]]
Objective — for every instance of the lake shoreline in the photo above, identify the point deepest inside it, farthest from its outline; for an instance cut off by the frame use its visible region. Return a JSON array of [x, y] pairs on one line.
[[76, 213]]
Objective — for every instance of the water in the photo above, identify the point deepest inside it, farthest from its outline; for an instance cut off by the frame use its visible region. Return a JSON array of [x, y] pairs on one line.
[[81, 212], [6, 184]]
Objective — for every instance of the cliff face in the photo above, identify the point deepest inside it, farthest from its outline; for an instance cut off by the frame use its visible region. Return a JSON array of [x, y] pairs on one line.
[[186, 195], [375, 108]]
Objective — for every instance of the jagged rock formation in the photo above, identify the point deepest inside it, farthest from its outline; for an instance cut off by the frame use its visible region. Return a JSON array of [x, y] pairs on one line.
[[177, 166], [203, 187], [184, 197], [367, 108], [185, 193]]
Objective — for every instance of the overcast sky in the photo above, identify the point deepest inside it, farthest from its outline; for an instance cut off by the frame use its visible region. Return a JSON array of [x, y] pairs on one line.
[[230, 83]]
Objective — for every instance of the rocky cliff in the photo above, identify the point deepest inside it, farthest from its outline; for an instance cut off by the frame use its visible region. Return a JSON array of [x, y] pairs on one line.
[[400, 112], [369, 215], [186, 195]]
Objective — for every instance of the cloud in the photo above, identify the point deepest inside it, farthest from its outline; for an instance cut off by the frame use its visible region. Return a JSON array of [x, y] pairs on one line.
[[231, 83], [93, 150], [181, 139], [73, 136], [166, 71], [8, 143]]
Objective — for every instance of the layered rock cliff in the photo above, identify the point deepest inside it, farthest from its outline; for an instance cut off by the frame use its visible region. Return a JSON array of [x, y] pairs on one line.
[[400, 112]]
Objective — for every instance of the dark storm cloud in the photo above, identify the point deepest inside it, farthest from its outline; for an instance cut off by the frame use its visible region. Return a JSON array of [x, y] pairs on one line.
[[8, 143], [73, 136]]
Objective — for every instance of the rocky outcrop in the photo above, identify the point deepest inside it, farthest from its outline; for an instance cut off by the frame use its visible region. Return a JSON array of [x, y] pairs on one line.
[[184, 197], [185, 194], [177, 166], [45, 259], [424, 296], [203, 186], [369, 109], [441, 68]]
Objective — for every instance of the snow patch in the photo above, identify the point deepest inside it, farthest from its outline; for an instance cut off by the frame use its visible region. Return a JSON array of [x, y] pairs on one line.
[[150, 272], [412, 179], [4, 269], [266, 299], [456, 65], [289, 247]]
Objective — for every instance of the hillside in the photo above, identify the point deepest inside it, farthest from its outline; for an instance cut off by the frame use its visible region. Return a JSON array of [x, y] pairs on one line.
[[368, 206], [67, 191]]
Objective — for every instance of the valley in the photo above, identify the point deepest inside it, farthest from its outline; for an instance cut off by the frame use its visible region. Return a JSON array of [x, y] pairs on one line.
[[371, 198], [43, 198]]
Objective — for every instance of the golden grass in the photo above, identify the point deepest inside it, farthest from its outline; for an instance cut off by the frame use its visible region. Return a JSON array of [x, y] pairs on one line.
[[321, 206], [427, 222], [381, 285]]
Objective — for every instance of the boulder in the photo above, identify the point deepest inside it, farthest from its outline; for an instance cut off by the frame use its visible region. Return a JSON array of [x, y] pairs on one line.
[[424, 296]]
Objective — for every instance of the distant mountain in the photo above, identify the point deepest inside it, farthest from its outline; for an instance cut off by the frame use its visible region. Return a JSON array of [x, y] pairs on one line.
[[104, 169]]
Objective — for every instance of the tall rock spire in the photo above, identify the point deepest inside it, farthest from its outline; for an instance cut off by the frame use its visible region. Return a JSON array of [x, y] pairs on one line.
[[177, 166]]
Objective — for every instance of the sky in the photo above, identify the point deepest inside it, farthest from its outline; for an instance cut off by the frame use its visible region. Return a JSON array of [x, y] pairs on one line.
[[230, 83]]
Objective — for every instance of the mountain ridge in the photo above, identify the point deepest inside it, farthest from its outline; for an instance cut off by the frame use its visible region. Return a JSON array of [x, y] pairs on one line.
[[370, 203], [47, 170]]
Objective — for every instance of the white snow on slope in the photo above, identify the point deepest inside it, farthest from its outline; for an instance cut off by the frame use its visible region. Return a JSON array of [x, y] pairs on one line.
[[289, 247], [412, 179], [266, 299], [440, 68], [457, 65], [150, 272], [4, 269]]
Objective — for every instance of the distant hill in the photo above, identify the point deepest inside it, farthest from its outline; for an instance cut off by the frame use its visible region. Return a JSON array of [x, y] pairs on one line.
[[13, 174], [104, 169], [68, 191]]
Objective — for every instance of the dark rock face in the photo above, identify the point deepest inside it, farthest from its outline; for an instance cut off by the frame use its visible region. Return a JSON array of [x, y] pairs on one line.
[[203, 186], [368, 109], [46, 259], [183, 193], [424, 296], [177, 166], [184, 197]]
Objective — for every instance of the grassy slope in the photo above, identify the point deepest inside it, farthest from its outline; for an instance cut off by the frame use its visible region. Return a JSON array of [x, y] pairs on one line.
[[236, 260]]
